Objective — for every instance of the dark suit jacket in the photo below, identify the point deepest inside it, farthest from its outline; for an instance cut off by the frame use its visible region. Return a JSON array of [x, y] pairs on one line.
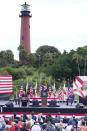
[[44, 93], [72, 97], [24, 95], [16, 96]]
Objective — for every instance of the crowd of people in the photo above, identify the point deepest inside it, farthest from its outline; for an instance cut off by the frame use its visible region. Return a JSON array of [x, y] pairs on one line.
[[42, 122]]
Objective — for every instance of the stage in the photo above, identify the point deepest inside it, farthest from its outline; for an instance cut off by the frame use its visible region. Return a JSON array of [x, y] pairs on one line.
[[36, 106]]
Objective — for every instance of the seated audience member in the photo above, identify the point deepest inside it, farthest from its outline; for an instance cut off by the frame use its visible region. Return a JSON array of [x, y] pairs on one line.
[[33, 116], [83, 126], [16, 117], [24, 127], [12, 128], [85, 118], [28, 125], [61, 127], [55, 120], [65, 119], [20, 123], [74, 121], [17, 127], [50, 126], [25, 117], [36, 127], [48, 116], [69, 127], [40, 119], [59, 117], [7, 129], [3, 126]]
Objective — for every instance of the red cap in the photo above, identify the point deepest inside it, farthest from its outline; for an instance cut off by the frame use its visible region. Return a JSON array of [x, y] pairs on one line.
[[3, 115]]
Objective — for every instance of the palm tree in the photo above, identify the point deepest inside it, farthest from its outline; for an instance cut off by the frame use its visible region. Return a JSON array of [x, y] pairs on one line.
[[77, 58], [85, 63]]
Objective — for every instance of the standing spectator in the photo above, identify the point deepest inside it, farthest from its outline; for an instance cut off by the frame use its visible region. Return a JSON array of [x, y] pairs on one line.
[[16, 98]]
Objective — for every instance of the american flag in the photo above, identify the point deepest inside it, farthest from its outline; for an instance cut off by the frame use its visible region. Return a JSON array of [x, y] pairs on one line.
[[64, 88], [36, 89], [5, 84], [49, 89], [27, 86], [40, 88], [64, 92], [31, 90], [60, 96], [69, 90], [54, 90], [21, 89]]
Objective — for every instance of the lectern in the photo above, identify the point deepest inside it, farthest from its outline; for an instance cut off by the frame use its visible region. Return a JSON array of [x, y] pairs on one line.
[[44, 96], [44, 101]]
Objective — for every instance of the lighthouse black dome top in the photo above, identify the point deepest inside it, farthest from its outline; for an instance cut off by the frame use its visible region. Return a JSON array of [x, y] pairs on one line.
[[25, 10]]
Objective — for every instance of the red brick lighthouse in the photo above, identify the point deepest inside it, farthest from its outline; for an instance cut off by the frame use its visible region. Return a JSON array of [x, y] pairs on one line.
[[25, 15]]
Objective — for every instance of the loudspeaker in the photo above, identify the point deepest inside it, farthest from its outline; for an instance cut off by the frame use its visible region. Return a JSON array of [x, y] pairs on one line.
[[35, 103], [83, 100], [9, 105], [53, 103], [79, 106], [24, 102]]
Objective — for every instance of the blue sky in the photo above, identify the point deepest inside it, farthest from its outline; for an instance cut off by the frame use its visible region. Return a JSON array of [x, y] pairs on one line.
[[59, 23]]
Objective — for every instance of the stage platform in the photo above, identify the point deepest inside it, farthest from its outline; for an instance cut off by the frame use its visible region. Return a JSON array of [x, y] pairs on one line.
[[60, 106]]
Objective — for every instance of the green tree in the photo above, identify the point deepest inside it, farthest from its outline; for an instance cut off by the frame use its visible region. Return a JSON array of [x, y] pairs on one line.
[[23, 54], [31, 59], [42, 50], [9, 56], [47, 59]]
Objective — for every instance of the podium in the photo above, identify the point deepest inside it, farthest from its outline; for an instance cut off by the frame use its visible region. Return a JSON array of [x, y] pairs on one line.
[[24, 101], [44, 100]]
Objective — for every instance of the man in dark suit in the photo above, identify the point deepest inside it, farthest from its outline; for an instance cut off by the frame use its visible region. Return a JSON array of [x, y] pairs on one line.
[[24, 94], [44, 93], [71, 98], [24, 99], [16, 98]]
